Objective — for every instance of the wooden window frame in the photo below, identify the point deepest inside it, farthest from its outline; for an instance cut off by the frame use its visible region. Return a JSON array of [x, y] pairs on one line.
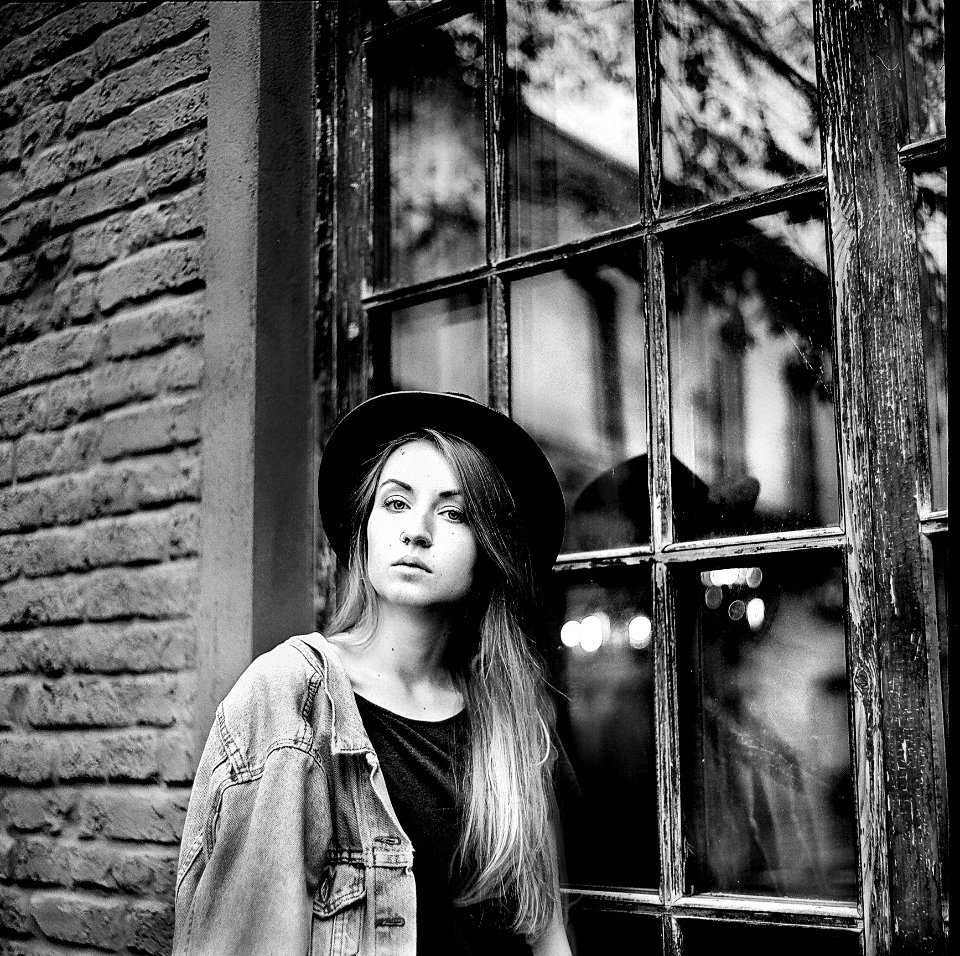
[[881, 425]]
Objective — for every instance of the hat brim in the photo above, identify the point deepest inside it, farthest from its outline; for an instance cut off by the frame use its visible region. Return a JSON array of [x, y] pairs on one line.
[[360, 435]]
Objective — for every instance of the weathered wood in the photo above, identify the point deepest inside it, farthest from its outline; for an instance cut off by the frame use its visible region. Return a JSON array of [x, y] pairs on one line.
[[430, 16], [924, 151], [881, 375], [648, 106]]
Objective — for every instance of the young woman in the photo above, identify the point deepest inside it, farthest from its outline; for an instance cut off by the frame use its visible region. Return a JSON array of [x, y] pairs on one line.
[[389, 789]]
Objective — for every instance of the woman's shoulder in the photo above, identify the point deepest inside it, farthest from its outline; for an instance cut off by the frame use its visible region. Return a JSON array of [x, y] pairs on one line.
[[278, 697]]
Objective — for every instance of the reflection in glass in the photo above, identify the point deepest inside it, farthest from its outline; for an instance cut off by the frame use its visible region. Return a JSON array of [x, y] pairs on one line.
[[429, 208], [600, 649], [438, 346], [573, 164], [738, 96], [595, 933], [708, 937], [931, 213], [924, 61], [577, 359], [766, 770], [752, 379]]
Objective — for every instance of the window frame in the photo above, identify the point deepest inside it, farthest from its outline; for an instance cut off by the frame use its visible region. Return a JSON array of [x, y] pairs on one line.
[[882, 536]]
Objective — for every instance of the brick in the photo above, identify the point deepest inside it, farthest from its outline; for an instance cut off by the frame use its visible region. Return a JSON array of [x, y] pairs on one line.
[[151, 927], [41, 127], [50, 41], [13, 692], [14, 909], [131, 647], [27, 758], [10, 146], [154, 326], [162, 424], [11, 188], [152, 122], [21, 18], [49, 356], [109, 489], [100, 193], [137, 37], [6, 462], [126, 233], [160, 269], [91, 921], [138, 83], [94, 865], [17, 274], [74, 299], [124, 755], [151, 701], [28, 224], [23, 411], [152, 536], [38, 811], [137, 814], [55, 453], [180, 162], [157, 591]]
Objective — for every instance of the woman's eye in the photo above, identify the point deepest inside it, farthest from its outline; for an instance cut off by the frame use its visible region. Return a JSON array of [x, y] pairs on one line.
[[455, 515], [395, 504]]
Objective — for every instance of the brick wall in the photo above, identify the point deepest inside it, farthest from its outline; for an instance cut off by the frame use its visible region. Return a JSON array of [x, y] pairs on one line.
[[102, 138]]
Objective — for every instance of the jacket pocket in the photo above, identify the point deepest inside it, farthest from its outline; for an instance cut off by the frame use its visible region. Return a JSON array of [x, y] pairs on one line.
[[338, 910]]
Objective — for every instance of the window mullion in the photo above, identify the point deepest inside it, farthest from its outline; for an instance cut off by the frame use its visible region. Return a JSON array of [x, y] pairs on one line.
[[495, 161]]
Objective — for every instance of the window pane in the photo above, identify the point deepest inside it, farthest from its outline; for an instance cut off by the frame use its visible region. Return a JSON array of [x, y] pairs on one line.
[[709, 937], [571, 120], [596, 933], [577, 359], [429, 208], [439, 346], [386, 10], [752, 379], [923, 33], [601, 659], [931, 212], [766, 772], [738, 96]]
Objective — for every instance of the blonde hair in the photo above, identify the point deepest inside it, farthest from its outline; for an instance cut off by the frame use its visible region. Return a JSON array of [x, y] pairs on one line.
[[506, 848]]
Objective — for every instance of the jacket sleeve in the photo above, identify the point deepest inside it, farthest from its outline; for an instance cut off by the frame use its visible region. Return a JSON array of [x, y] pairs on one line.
[[254, 841]]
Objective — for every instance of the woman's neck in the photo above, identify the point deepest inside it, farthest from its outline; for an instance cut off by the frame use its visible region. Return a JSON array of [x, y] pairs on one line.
[[401, 665]]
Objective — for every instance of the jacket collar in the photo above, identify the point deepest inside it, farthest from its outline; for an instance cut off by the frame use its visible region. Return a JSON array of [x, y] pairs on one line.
[[347, 731]]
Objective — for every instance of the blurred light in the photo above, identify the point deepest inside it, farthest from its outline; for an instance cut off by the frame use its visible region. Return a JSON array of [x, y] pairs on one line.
[[755, 611], [736, 610], [640, 630], [754, 577], [705, 579], [724, 576], [713, 597], [570, 634], [591, 632]]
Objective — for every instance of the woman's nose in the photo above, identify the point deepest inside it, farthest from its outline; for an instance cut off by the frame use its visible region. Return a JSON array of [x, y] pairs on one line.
[[417, 530]]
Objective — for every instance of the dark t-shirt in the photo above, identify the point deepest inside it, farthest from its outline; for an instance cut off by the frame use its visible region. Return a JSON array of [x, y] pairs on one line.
[[421, 761]]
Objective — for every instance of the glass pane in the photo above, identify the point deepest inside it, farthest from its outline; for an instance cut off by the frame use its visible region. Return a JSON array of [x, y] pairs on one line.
[[601, 659], [752, 379], [571, 120], [438, 346], [923, 33], [766, 773], [386, 10], [709, 937], [738, 94], [594, 933], [577, 359], [429, 210], [931, 212]]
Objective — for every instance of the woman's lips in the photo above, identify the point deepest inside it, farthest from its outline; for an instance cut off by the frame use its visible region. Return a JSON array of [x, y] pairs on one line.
[[412, 563]]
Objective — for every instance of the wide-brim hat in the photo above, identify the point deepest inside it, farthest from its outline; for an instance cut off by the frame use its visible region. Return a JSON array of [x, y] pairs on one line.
[[363, 432]]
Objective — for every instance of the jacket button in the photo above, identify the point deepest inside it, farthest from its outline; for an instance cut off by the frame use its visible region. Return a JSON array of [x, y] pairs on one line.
[[325, 889]]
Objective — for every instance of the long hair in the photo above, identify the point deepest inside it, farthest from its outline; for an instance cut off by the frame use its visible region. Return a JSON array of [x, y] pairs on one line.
[[506, 850]]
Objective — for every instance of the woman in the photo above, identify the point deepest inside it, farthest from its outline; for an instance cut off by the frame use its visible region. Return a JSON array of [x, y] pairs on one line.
[[389, 789]]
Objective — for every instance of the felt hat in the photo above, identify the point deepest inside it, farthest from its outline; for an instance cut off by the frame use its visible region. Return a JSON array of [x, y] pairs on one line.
[[365, 430]]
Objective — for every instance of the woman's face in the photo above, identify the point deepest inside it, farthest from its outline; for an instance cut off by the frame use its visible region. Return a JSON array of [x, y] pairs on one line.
[[420, 550]]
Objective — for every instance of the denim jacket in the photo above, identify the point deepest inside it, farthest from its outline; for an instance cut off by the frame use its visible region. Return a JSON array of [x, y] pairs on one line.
[[291, 845]]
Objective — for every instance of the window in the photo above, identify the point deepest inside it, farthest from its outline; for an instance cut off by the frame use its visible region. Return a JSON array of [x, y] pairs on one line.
[[639, 228]]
